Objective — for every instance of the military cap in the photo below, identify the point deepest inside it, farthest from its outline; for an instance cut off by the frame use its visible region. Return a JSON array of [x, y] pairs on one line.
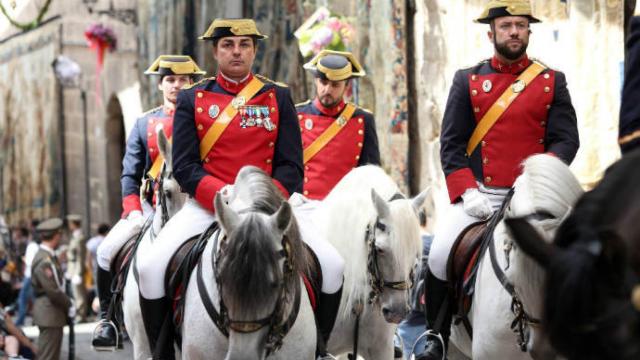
[[74, 217], [500, 8], [174, 65], [335, 65], [220, 28], [48, 227]]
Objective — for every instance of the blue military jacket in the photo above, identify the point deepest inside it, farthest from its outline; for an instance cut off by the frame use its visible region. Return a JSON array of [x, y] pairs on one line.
[[630, 106]]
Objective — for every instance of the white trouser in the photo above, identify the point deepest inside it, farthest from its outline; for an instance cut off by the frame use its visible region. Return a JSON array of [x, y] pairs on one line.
[[122, 231], [191, 220], [447, 231], [331, 262]]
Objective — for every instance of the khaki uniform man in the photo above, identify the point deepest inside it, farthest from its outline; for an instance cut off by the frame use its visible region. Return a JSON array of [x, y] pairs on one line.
[[52, 306], [76, 265]]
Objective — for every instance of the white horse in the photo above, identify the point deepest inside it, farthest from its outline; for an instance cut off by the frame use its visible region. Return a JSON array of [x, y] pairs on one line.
[[376, 230], [258, 266], [169, 200], [545, 193]]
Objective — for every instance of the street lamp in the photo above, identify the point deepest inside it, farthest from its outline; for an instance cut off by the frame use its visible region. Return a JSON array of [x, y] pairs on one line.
[[69, 75]]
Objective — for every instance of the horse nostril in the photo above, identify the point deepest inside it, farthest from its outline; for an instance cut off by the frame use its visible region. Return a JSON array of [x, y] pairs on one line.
[[386, 311]]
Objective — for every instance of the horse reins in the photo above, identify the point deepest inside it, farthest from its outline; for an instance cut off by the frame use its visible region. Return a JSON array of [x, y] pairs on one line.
[[522, 318], [278, 325]]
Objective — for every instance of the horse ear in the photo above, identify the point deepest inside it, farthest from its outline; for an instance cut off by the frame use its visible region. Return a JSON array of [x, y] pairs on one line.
[[227, 218], [382, 208], [165, 147], [282, 218], [530, 241], [418, 201]]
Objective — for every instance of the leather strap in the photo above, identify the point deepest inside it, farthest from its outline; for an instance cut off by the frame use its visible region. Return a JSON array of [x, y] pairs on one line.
[[229, 112], [326, 136], [502, 104], [154, 171]]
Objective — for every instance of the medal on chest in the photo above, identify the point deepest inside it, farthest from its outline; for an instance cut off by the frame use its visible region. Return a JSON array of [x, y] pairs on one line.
[[255, 116]]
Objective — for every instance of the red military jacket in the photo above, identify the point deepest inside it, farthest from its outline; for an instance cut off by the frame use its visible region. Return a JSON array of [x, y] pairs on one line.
[[276, 150], [355, 145], [142, 151], [540, 119]]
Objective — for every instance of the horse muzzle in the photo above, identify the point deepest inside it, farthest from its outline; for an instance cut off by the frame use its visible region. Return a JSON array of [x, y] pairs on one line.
[[394, 314]]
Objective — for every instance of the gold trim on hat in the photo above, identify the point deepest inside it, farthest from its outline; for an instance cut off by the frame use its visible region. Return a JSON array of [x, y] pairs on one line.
[[186, 67], [238, 27], [336, 74], [513, 7]]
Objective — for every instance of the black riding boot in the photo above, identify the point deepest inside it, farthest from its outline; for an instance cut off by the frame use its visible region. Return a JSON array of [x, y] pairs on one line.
[[326, 314], [438, 311], [106, 335], [154, 314]]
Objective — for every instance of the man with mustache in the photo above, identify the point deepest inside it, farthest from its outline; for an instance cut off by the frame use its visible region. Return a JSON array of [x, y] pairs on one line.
[[337, 136], [499, 112], [141, 166], [221, 124]]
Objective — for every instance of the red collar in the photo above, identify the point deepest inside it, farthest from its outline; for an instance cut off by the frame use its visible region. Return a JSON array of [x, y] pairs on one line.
[[329, 111], [232, 86], [168, 111], [515, 68]]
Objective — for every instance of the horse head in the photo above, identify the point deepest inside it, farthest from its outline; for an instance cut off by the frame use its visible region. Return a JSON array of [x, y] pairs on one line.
[[394, 244], [258, 267], [170, 198], [592, 295]]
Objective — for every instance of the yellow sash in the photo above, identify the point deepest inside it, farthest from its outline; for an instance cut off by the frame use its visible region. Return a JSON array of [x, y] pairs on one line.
[[500, 106], [154, 171], [229, 112], [329, 133]]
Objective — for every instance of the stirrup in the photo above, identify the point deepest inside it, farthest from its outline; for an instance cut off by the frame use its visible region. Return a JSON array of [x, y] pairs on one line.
[[425, 334], [101, 323]]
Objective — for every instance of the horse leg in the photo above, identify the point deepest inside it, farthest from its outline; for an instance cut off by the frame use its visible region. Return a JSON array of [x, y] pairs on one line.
[[131, 308]]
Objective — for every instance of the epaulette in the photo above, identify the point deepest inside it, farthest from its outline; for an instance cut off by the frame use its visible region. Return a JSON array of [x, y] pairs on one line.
[[149, 111], [546, 67], [187, 87], [303, 103], [366, 110], [266, 79]]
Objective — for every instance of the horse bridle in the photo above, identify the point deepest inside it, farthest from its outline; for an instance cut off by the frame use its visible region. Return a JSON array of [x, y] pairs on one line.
[[279, 326], [376, 280]]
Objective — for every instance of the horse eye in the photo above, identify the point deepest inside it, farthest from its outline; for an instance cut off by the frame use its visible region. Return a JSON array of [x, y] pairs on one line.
[[167, 195]]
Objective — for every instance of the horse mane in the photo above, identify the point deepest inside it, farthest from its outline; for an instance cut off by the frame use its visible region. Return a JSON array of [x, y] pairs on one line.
[[347, 210], [589, 280], [245, 261]]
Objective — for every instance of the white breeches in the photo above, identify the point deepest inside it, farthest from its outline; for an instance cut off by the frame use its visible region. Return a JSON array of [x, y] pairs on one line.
[[331, 262], [122, 231], [191, 220], [447, 231]]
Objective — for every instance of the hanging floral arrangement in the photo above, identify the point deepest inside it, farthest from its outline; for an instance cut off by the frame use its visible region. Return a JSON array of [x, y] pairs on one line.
[[100, 39], [324, 30]]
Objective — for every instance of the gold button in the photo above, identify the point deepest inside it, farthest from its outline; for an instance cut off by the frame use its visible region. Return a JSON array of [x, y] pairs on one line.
[[149, 134], [485, 161], [268, 161], [306, 179], [151, 150], [488, 179], [541, 141], [271, 144], [357, 157], [547, 89], [359, 144], [299, 116], [305, 193], [206, 159], [548, 107], [483, 143], [200, 95], [273, 109], [271, 95], [360, 120], [474, 77], [306, 168], [546, 76], [360, 132], [474, 92], [200, 127], [476, 109], [543, 123], [199, 109]]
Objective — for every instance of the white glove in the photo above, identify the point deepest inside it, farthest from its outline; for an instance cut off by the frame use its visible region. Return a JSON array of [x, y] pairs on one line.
[[72, 310], [476, 204], [76, 280], [135, 217], [227, 193]]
